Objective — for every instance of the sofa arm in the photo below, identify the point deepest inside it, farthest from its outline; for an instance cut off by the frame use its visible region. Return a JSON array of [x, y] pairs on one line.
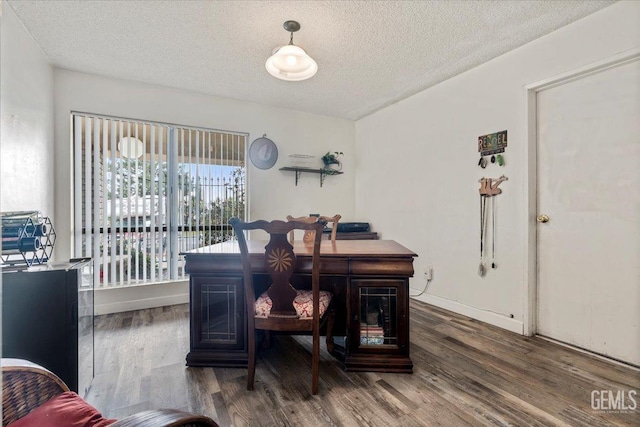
[[25, 386], [165, 418]]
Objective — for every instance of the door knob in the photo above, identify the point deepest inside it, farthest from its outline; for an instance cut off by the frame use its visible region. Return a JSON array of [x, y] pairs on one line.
[[543, 218]]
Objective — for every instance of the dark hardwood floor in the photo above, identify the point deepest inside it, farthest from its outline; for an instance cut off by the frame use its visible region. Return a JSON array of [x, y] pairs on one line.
[[466, 373]]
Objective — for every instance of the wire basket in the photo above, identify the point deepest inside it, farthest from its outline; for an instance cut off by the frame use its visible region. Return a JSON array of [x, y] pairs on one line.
[[302, 161]]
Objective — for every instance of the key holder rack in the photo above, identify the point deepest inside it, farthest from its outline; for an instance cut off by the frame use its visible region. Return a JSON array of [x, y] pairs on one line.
[[489, 186]]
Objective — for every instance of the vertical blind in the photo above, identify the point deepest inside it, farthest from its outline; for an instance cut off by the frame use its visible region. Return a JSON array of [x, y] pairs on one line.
[[145, 191]]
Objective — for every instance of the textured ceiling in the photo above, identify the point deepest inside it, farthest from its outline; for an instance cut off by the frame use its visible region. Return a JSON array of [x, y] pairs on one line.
[[370, 53]]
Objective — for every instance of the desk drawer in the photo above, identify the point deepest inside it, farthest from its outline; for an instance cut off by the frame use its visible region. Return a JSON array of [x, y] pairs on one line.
[[333, 266], [381, 267]]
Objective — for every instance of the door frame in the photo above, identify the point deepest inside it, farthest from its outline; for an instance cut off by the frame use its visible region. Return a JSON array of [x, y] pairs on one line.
[[530, 189]]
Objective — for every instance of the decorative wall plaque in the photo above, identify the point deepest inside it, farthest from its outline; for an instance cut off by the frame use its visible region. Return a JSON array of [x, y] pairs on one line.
[[492, 143]]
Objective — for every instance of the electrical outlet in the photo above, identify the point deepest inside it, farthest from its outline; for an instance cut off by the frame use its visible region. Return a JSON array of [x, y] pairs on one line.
[[428, 273]]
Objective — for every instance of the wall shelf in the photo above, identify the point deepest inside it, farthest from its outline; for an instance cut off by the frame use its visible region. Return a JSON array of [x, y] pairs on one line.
[[321, 172]]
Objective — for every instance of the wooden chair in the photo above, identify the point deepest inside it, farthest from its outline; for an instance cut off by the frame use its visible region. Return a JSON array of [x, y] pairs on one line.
[[308, 235], [27, 386], [282, 307], [334, 224]]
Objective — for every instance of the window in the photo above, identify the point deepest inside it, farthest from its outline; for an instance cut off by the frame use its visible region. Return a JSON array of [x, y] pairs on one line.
[[144, 192]]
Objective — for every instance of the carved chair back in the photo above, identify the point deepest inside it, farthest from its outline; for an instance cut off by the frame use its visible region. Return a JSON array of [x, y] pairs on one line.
[[308, 235]]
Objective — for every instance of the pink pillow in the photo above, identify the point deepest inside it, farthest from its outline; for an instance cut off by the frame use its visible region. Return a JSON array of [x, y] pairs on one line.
[[67, 409]]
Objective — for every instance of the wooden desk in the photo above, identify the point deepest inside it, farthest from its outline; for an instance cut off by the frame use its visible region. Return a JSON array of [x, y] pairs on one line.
[[370, 282]]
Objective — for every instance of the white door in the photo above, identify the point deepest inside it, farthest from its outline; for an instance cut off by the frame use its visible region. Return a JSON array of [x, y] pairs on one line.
[[589, 187]]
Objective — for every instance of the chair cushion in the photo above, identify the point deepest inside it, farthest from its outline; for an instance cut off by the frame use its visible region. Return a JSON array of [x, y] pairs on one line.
[[67, 409], [303, 303]]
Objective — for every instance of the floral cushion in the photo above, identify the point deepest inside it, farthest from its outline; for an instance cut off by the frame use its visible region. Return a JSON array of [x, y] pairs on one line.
[[303, 303]]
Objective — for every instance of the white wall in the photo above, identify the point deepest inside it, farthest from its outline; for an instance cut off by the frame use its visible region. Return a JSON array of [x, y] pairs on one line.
[[417, 174], [272, 193], [26, 120]]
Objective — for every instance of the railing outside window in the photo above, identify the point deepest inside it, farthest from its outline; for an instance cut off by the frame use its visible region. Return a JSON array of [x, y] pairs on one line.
[[144, 192]]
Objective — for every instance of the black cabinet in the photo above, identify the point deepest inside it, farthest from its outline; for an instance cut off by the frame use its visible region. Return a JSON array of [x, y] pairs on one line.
[[47, 318]]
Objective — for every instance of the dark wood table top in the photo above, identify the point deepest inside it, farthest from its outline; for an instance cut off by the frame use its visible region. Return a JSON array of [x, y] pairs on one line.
[[339, 248]]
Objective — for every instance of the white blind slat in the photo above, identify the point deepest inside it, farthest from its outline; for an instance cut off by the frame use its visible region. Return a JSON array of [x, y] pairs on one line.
[[152, 207], [95, 200], [77, 177]]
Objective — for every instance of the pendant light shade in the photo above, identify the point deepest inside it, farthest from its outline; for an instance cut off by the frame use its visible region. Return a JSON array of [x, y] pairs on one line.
[[291, 62], [131, 148]]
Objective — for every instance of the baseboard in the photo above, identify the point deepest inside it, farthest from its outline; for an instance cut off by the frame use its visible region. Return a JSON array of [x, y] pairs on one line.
[[128, 298], [486, 316]]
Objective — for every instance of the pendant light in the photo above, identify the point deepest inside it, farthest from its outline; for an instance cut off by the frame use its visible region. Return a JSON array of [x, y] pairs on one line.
[[291, 62], [131, 148]]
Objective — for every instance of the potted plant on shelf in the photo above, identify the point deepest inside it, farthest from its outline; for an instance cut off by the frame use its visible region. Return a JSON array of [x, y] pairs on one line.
[[332, 163]]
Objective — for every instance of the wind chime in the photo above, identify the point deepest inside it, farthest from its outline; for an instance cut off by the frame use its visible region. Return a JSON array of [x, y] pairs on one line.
[[488, 189]]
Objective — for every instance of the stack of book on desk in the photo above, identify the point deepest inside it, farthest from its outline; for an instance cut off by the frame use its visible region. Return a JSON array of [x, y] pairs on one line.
[[371, 334]]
